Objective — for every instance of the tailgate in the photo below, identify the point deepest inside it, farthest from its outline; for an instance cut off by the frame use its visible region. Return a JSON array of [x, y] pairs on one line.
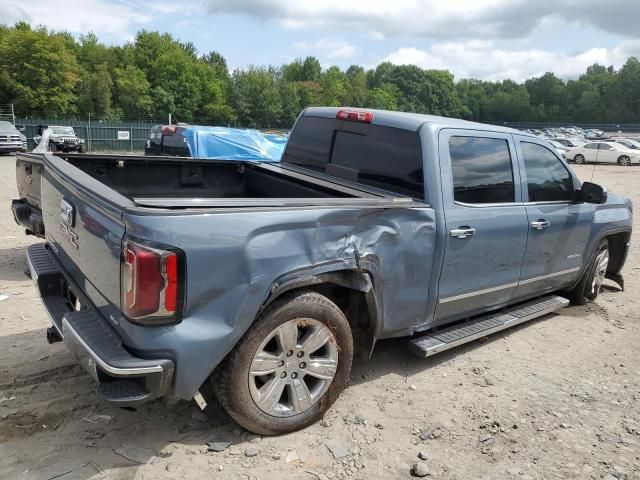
[[84, 228], [28, 172]]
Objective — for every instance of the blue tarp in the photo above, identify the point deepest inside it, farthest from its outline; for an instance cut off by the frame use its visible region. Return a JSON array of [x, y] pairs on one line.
[[223, 143]]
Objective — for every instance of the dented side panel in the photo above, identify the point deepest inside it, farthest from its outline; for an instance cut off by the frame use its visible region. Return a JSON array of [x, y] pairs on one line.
[[234, 260]]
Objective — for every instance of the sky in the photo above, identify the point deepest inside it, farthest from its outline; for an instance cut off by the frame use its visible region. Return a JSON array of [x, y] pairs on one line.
[[485, 39]]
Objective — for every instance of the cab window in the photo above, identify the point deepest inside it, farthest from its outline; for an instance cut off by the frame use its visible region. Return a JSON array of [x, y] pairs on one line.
[[548, 180], [482, 170]]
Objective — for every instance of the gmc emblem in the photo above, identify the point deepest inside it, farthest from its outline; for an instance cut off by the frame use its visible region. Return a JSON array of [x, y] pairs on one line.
[[67, 212]]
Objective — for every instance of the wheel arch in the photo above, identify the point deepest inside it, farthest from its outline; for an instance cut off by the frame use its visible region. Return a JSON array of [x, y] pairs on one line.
[[351, 290], [618, 248]]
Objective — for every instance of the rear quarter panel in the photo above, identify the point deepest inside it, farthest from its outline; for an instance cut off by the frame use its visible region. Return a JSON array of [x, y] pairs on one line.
[[234, 258]]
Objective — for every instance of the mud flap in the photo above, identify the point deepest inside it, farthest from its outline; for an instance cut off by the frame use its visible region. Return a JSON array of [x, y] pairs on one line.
[[617, 278]]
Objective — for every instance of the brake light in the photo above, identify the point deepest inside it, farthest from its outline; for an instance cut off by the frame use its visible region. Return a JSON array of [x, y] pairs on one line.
[[151, 283], [355, 116], [169, 129]]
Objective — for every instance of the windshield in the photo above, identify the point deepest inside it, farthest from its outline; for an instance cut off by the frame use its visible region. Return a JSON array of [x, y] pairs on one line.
[[6, 126], [62, 130], [629, 143], [619, 146]]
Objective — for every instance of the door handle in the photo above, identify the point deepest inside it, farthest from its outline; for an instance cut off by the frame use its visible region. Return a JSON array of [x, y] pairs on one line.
[[541, 224], [463, 232]]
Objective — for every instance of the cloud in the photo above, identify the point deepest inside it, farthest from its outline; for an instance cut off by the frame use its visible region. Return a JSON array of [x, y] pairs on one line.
[[440, 19], [483, 60], [329, 48], [112, 19]]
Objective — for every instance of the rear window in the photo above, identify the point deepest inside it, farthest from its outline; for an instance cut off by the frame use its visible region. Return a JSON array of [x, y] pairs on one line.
[[383, 157]]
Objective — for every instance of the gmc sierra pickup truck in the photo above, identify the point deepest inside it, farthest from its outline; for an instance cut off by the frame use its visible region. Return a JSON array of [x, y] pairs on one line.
[[262, 280]]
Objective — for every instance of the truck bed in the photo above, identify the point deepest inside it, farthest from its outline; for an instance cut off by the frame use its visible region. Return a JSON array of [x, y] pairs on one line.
[[191, 183]]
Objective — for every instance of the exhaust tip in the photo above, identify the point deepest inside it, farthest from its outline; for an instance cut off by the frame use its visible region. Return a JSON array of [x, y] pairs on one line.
[[53, 336]]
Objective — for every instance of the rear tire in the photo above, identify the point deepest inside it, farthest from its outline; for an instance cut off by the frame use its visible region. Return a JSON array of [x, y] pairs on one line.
[[272, 354], [624, 161], [578, 159], [590, 284]]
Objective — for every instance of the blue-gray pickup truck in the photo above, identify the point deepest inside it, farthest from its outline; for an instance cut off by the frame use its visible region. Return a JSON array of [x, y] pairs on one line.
[[261, 281]]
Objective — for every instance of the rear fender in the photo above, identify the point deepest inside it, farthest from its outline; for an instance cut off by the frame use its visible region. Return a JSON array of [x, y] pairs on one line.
[[356, 280]]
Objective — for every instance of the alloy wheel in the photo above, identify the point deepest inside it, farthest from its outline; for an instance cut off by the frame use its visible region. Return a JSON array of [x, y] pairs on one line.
[[602, 262], [293, 367]]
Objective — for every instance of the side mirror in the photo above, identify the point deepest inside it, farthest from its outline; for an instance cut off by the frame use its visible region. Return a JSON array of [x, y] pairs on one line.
[[21, 128], [593, 193]]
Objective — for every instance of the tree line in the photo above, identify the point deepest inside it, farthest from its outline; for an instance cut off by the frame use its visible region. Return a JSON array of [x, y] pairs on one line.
[[52, 74]]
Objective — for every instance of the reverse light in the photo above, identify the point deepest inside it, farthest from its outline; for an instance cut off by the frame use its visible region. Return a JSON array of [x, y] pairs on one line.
[[355, 116], [152, 279]]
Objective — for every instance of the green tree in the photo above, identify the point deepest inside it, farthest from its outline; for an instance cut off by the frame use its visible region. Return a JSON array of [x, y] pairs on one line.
[[95, 92], [335, 86], [132, 91], [311, 70], [38, 71], [256, 97], [383, 97]]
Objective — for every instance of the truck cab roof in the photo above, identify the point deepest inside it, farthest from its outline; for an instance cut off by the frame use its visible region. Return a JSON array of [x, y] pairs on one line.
[[411, 121]]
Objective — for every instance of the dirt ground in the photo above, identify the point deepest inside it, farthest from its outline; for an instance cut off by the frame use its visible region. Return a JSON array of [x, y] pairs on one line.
[[555, 398]]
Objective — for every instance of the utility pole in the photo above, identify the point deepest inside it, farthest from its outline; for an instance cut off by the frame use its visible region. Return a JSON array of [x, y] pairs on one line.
[[169, 119]]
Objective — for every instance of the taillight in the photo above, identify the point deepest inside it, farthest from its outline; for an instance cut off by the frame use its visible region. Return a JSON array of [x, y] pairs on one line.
[[355, 116], [152, 279], [169, 129]]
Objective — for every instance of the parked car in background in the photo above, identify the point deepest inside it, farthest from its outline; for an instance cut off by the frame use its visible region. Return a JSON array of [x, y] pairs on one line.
[[593, 133], [561, 149], [569, 142], [628, 142], [61, 139], [219, 143], [167, 140], [11, 139], [604, 152]]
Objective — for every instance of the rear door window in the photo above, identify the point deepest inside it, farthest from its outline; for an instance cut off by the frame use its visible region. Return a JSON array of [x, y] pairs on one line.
[[384, 157], [482, 170]]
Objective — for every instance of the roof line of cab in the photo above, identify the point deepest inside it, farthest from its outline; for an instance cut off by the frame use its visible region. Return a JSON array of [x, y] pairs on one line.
[[412, 121]]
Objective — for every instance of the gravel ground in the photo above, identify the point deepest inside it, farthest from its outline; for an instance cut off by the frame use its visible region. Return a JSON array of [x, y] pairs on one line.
[[555, 398]]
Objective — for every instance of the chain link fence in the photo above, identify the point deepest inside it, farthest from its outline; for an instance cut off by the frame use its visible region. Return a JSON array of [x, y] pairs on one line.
[[99, 136]]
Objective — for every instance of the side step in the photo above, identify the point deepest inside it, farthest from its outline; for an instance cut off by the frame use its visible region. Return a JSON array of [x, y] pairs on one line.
[[468, 331]]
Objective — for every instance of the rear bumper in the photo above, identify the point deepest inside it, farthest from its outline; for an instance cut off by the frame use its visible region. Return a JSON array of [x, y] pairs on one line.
[[122, 378], [28, 216]]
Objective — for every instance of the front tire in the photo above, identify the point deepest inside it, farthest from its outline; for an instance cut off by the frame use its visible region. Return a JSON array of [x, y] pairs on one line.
[[289, 367], [590, 284], [578, 159]]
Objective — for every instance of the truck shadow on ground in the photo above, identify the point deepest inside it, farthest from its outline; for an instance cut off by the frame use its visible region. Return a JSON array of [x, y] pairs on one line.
[[55, 402], [393, 357]]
